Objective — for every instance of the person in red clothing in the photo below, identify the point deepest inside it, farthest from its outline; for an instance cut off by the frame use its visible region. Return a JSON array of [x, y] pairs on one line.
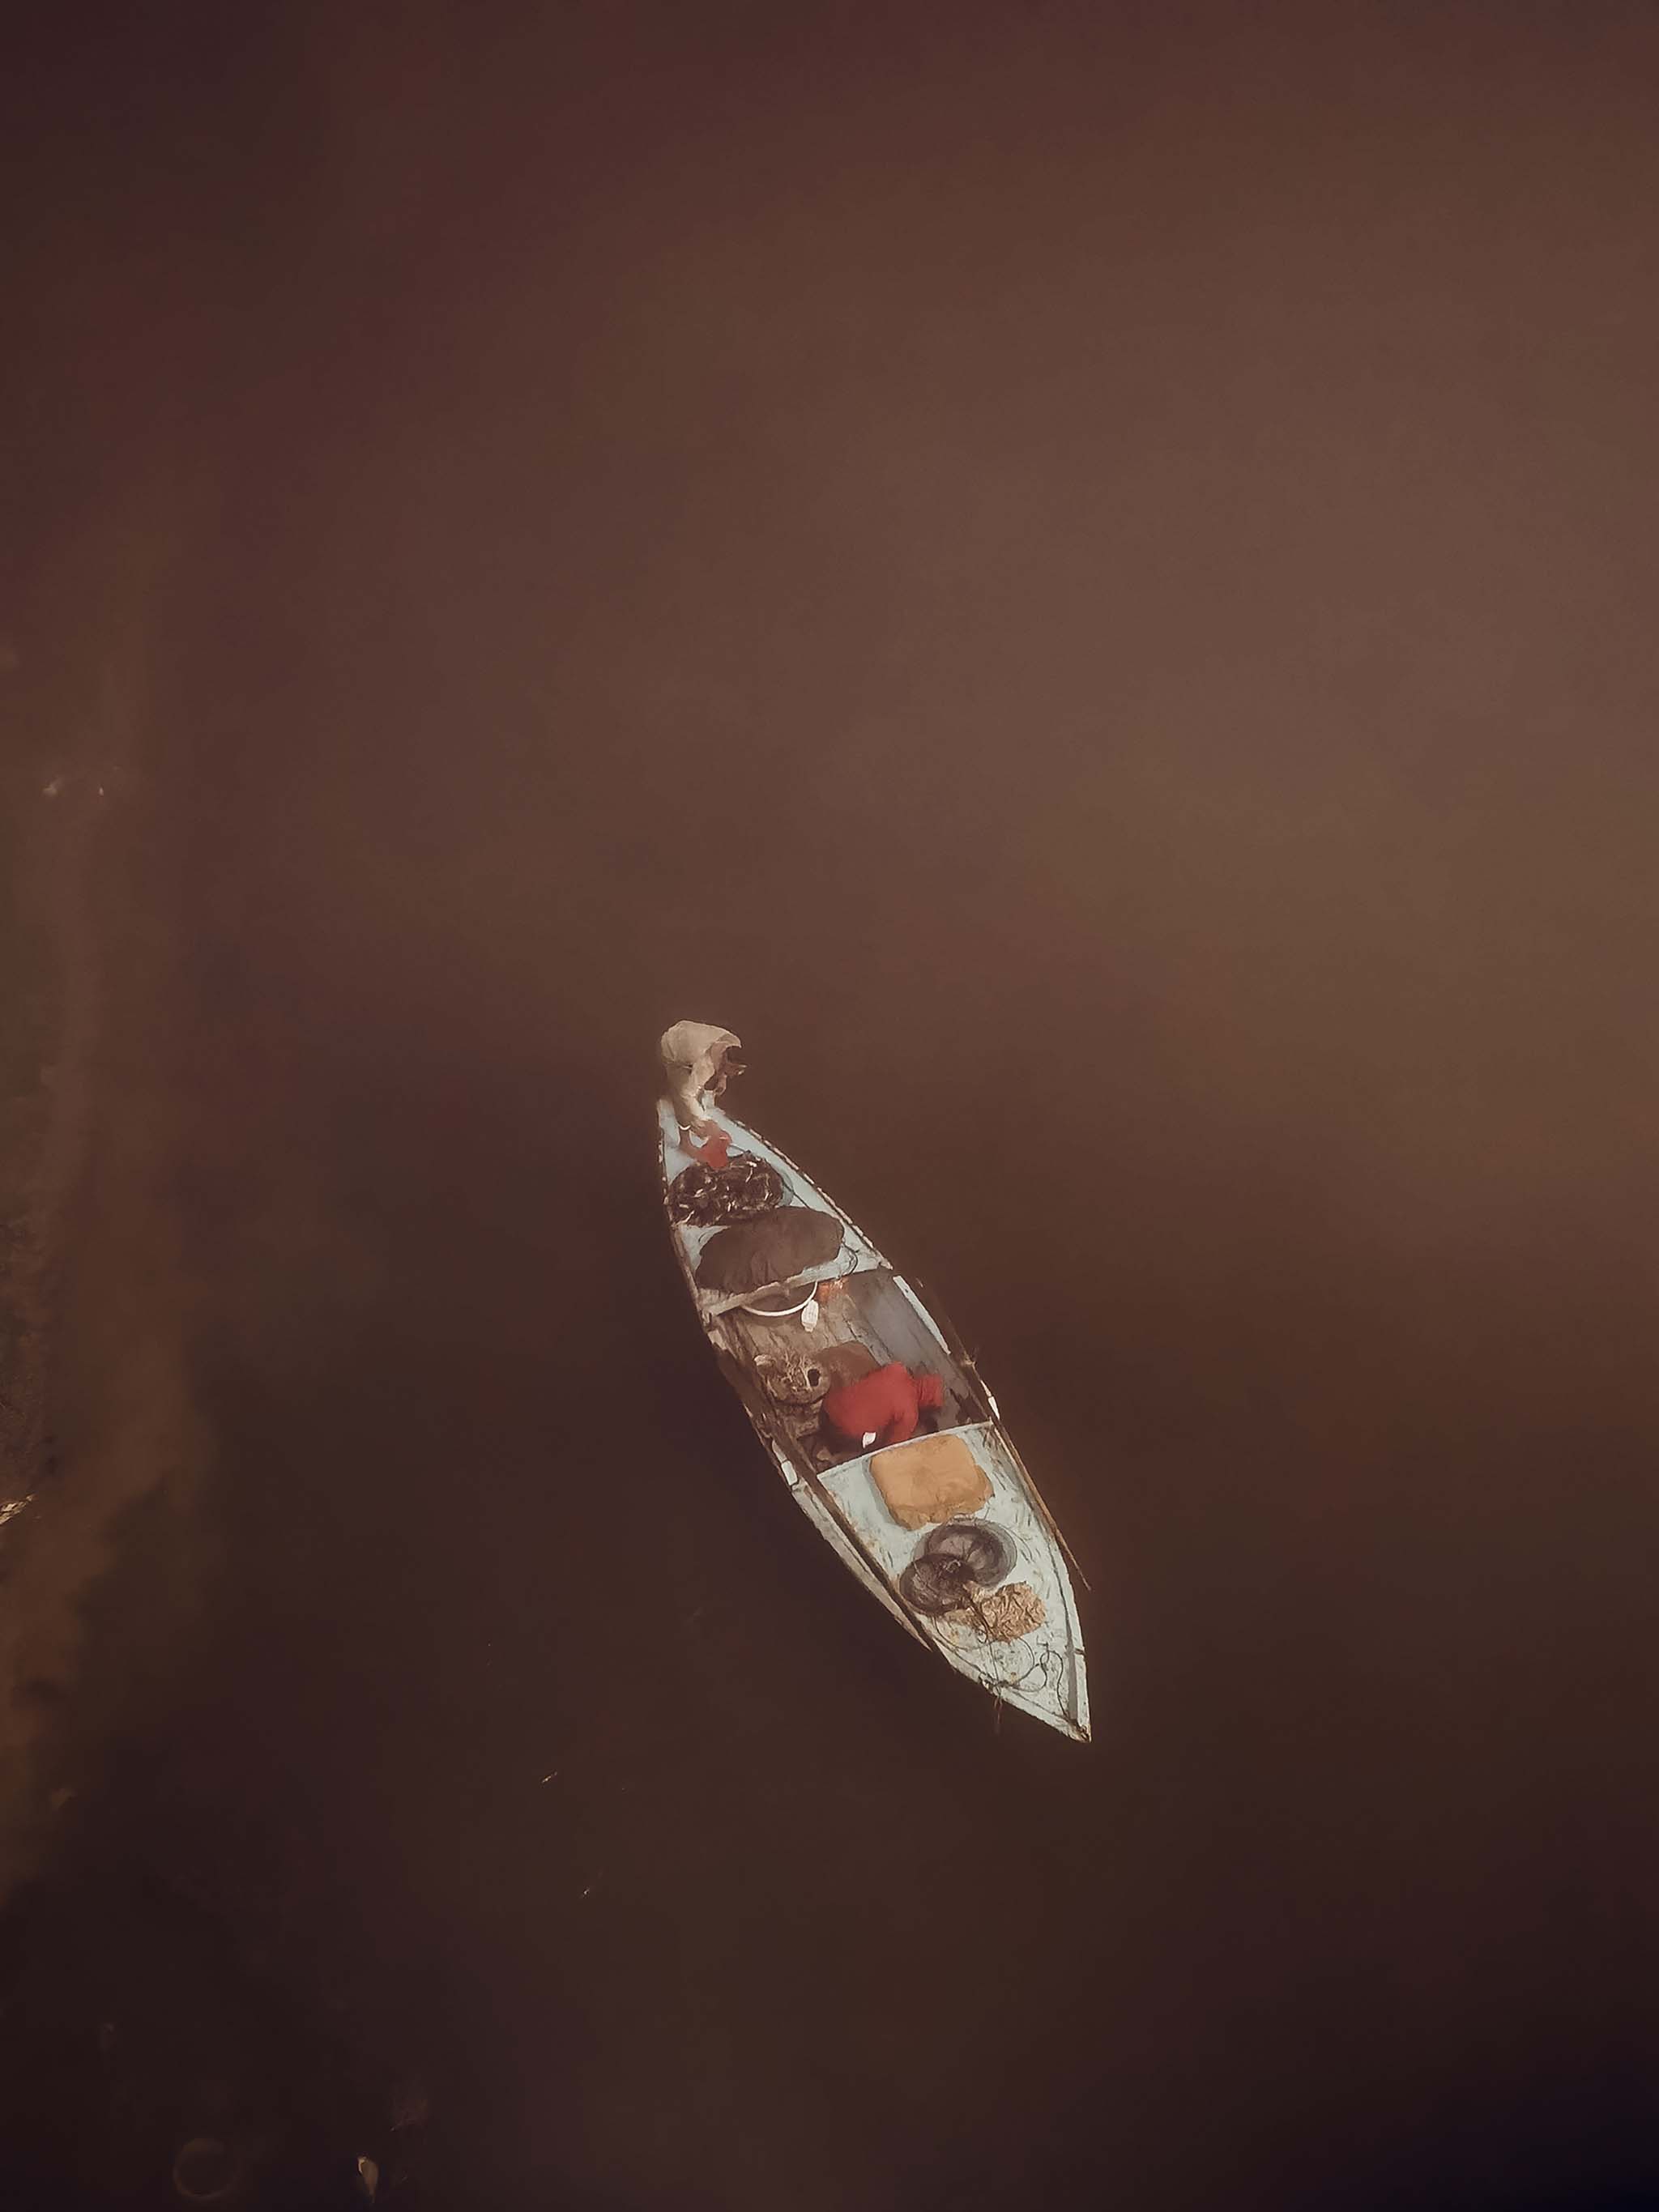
[[882, 1408]]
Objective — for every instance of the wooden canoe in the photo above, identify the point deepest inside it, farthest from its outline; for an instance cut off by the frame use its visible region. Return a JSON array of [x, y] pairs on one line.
[[771, 1341]]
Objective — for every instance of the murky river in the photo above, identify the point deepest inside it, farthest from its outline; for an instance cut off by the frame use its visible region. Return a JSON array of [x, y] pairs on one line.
[[1085, 585]]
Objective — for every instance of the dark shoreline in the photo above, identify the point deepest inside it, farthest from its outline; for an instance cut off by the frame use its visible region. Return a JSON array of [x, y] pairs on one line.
[[161, 1975]]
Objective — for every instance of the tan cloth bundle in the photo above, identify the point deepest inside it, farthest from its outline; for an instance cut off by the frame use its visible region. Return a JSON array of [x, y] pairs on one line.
[[930, 1479]]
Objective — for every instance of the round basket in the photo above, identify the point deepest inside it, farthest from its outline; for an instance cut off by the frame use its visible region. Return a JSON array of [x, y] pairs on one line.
[[986, 1554], [934, 1587]]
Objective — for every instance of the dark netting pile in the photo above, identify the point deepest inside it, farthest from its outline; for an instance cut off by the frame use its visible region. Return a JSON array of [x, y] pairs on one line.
[[986, 1551], [741, 1191], [953, 1562], [935, 1586]]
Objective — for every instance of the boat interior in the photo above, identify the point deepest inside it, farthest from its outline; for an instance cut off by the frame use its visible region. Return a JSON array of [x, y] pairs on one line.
[[865, 1321]]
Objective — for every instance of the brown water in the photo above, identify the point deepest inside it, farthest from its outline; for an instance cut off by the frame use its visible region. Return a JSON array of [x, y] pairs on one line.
[[1084, 581]]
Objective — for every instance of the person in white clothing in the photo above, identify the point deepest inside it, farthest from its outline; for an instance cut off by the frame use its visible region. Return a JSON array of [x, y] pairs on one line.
[[698, 1060]]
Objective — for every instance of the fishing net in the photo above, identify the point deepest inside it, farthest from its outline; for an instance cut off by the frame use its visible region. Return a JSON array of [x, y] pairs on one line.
[[743, 1190], [1008, 1613], [935, 1586], [955, 1566], [986, 1553]]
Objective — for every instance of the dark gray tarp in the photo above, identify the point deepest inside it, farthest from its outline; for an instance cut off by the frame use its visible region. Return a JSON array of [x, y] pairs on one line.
[[752, 1254]]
